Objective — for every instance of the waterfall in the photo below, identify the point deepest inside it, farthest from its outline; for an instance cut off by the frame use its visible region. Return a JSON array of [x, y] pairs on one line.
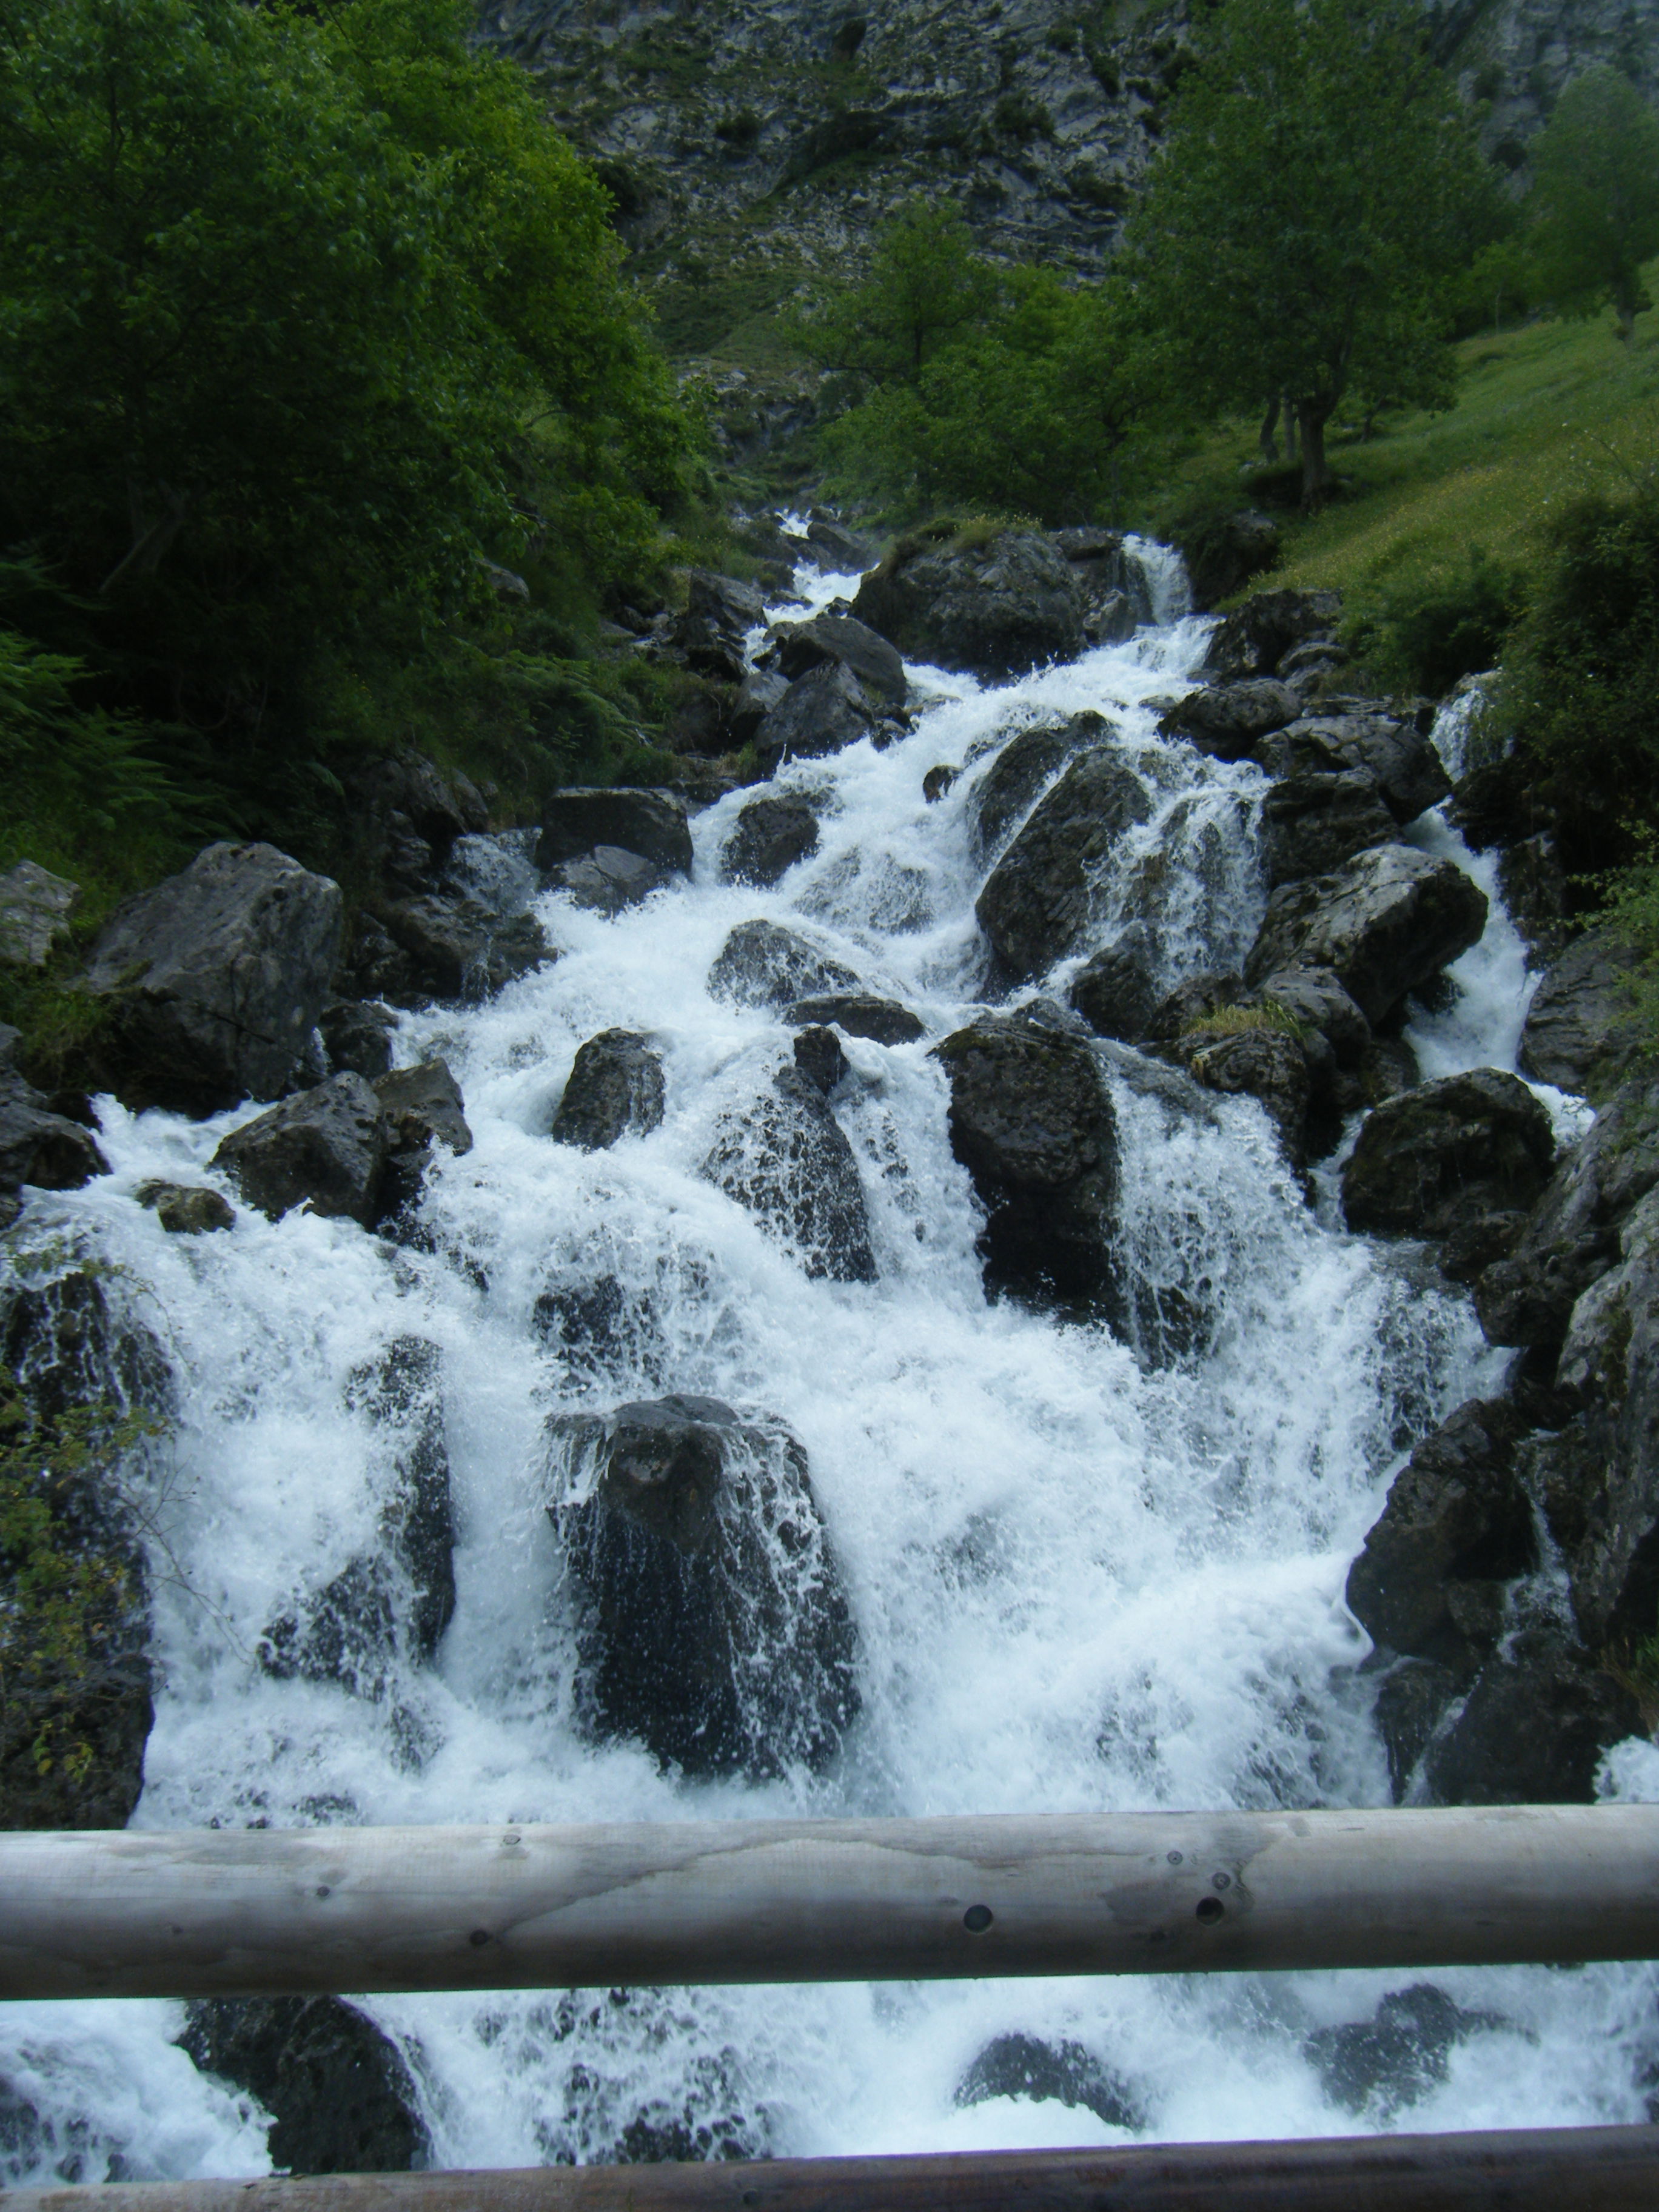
[[1083, 1573]]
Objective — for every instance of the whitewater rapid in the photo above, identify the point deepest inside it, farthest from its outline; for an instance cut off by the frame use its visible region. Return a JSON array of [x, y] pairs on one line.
[[1080, 1581]]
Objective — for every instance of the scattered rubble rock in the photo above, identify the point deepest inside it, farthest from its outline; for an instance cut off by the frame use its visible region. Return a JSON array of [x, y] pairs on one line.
[[651, 825]]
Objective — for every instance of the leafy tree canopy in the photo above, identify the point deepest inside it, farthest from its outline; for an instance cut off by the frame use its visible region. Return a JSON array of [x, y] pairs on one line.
[[1317, 191], [1594, 199]]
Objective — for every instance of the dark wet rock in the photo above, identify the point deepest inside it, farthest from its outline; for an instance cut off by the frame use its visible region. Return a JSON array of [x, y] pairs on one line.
[[338, 2090], [938, 782], [1223, 553], [651, 824], [1457, 1513], [1495, 805], [1314, 998], [1580, 1032], [1398, 757], [822, 712], [35, 908], [1436, 1158], [1021, 768], [213, 980], [1380, 2066], [1037, 901], [1032, 1122], [40, 1147], [615, 1088], [92, 1391], [843, 550], [1410, 1702], [405, 814], [608, 880], [598, 1326], [1265, 1064], [186, 1209], [994, 608], [325, 1147], [763, 964], [456, 949], [718, 614], [1312, 824], [1115, 992], [1383, 923], [1190, 1002], [713, 1625], [1386, 1066], [758, 693], [1533, 1730], [1571, 1236], [1534, 887], [772, 834], [1228, 720], [1255, 639], [422, 1106], [1065, 2072], [357, 1037], [828, 639], [860, 1014], [786, 1160], [820, 1059]]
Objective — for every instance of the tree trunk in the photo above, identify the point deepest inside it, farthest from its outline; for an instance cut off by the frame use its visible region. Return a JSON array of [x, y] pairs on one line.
[[1290, 429], [1266, 437], [1312, 414]]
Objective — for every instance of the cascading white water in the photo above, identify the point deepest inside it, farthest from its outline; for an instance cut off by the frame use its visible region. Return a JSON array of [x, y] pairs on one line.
[[1078, 1581]]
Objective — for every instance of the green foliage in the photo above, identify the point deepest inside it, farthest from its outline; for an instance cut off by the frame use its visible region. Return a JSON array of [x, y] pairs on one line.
[[1595, 200], [1267, 1017], [1424, 635], [1317, 193], [927, 287]]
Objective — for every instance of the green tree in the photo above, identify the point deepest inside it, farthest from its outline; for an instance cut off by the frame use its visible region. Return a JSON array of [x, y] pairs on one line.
[[926, 285], [1317, 190], [1594, 199]]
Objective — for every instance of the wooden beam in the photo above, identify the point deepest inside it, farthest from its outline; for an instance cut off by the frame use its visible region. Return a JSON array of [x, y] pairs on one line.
[[226, 1913], [1534, 2170]]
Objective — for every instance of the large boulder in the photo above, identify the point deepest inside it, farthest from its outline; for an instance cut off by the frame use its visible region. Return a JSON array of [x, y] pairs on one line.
[[995, 608], [340, 2095], [786, 1160], [712, 1621], [1365, 740], [719, 612], [1268, 1063], [357, 1037], [772, 834], [404, 817], [1571, 1236], [186, 1209], [35, 908], [1116, 990], [457, 949], [1064, 2073], [1312, 998], [1032, 1122], [1229, 720], [608, 880], [325, 1147], [1312, 824], [1457, 1525], [40, 1147], [763, 964], [1580, 1030], [1434, 1160], [824, 711], [829, 639], [1378, 2066], [212, 982], [1222, 555], [1255, 639], [419, 1107], [1534, 1728], [615, 1087], [1020, 769], [1038, 899], [860, 1014], [651, 824], [1383, 923]]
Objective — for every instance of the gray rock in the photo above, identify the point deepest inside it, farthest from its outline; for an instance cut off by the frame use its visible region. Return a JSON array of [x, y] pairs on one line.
[[786, 1161], [1268, 1065], [186, 1209], [830, 638], [357, 1037], [843, 550], [38, 1147], [338, 2093], [1534, 1730], [1395, 755], [1176, 1012], [1115, 992], [819, 1059], [1380, 2065], [214, 980], [713, 1624], [422, 1106], [325, 1147], [615, 1087], [650, 825], [459, 950], [824, 711], [1038, 899], [1229, 720], [1253, 640], [1434, 1158], [1020, 770], [609, 879], [759, 692], [1383, 923], [858, 1014], [1312, 824], [994, 608], [1064, 2073], [1314, 997], [772, 834], [35, 907], [1223, 556], [763, 964], [1457, 1513], [1032, 1122], [1580, 1027], [1411, 1701]]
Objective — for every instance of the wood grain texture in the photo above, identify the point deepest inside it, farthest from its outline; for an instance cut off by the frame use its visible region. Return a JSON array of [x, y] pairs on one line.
[[1544, 2170], [202, 1913]]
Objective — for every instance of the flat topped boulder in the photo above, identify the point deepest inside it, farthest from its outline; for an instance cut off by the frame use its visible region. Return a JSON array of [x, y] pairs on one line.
[[652, 824], [995, 608], [860, 1014], [215, 979]]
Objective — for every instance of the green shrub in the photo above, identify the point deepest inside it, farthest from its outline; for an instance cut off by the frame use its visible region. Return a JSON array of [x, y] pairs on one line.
[[1425, 636]]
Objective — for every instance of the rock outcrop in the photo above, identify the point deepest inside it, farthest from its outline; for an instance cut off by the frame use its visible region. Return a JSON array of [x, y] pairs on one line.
[[1579, 1031], [1312, 824]]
